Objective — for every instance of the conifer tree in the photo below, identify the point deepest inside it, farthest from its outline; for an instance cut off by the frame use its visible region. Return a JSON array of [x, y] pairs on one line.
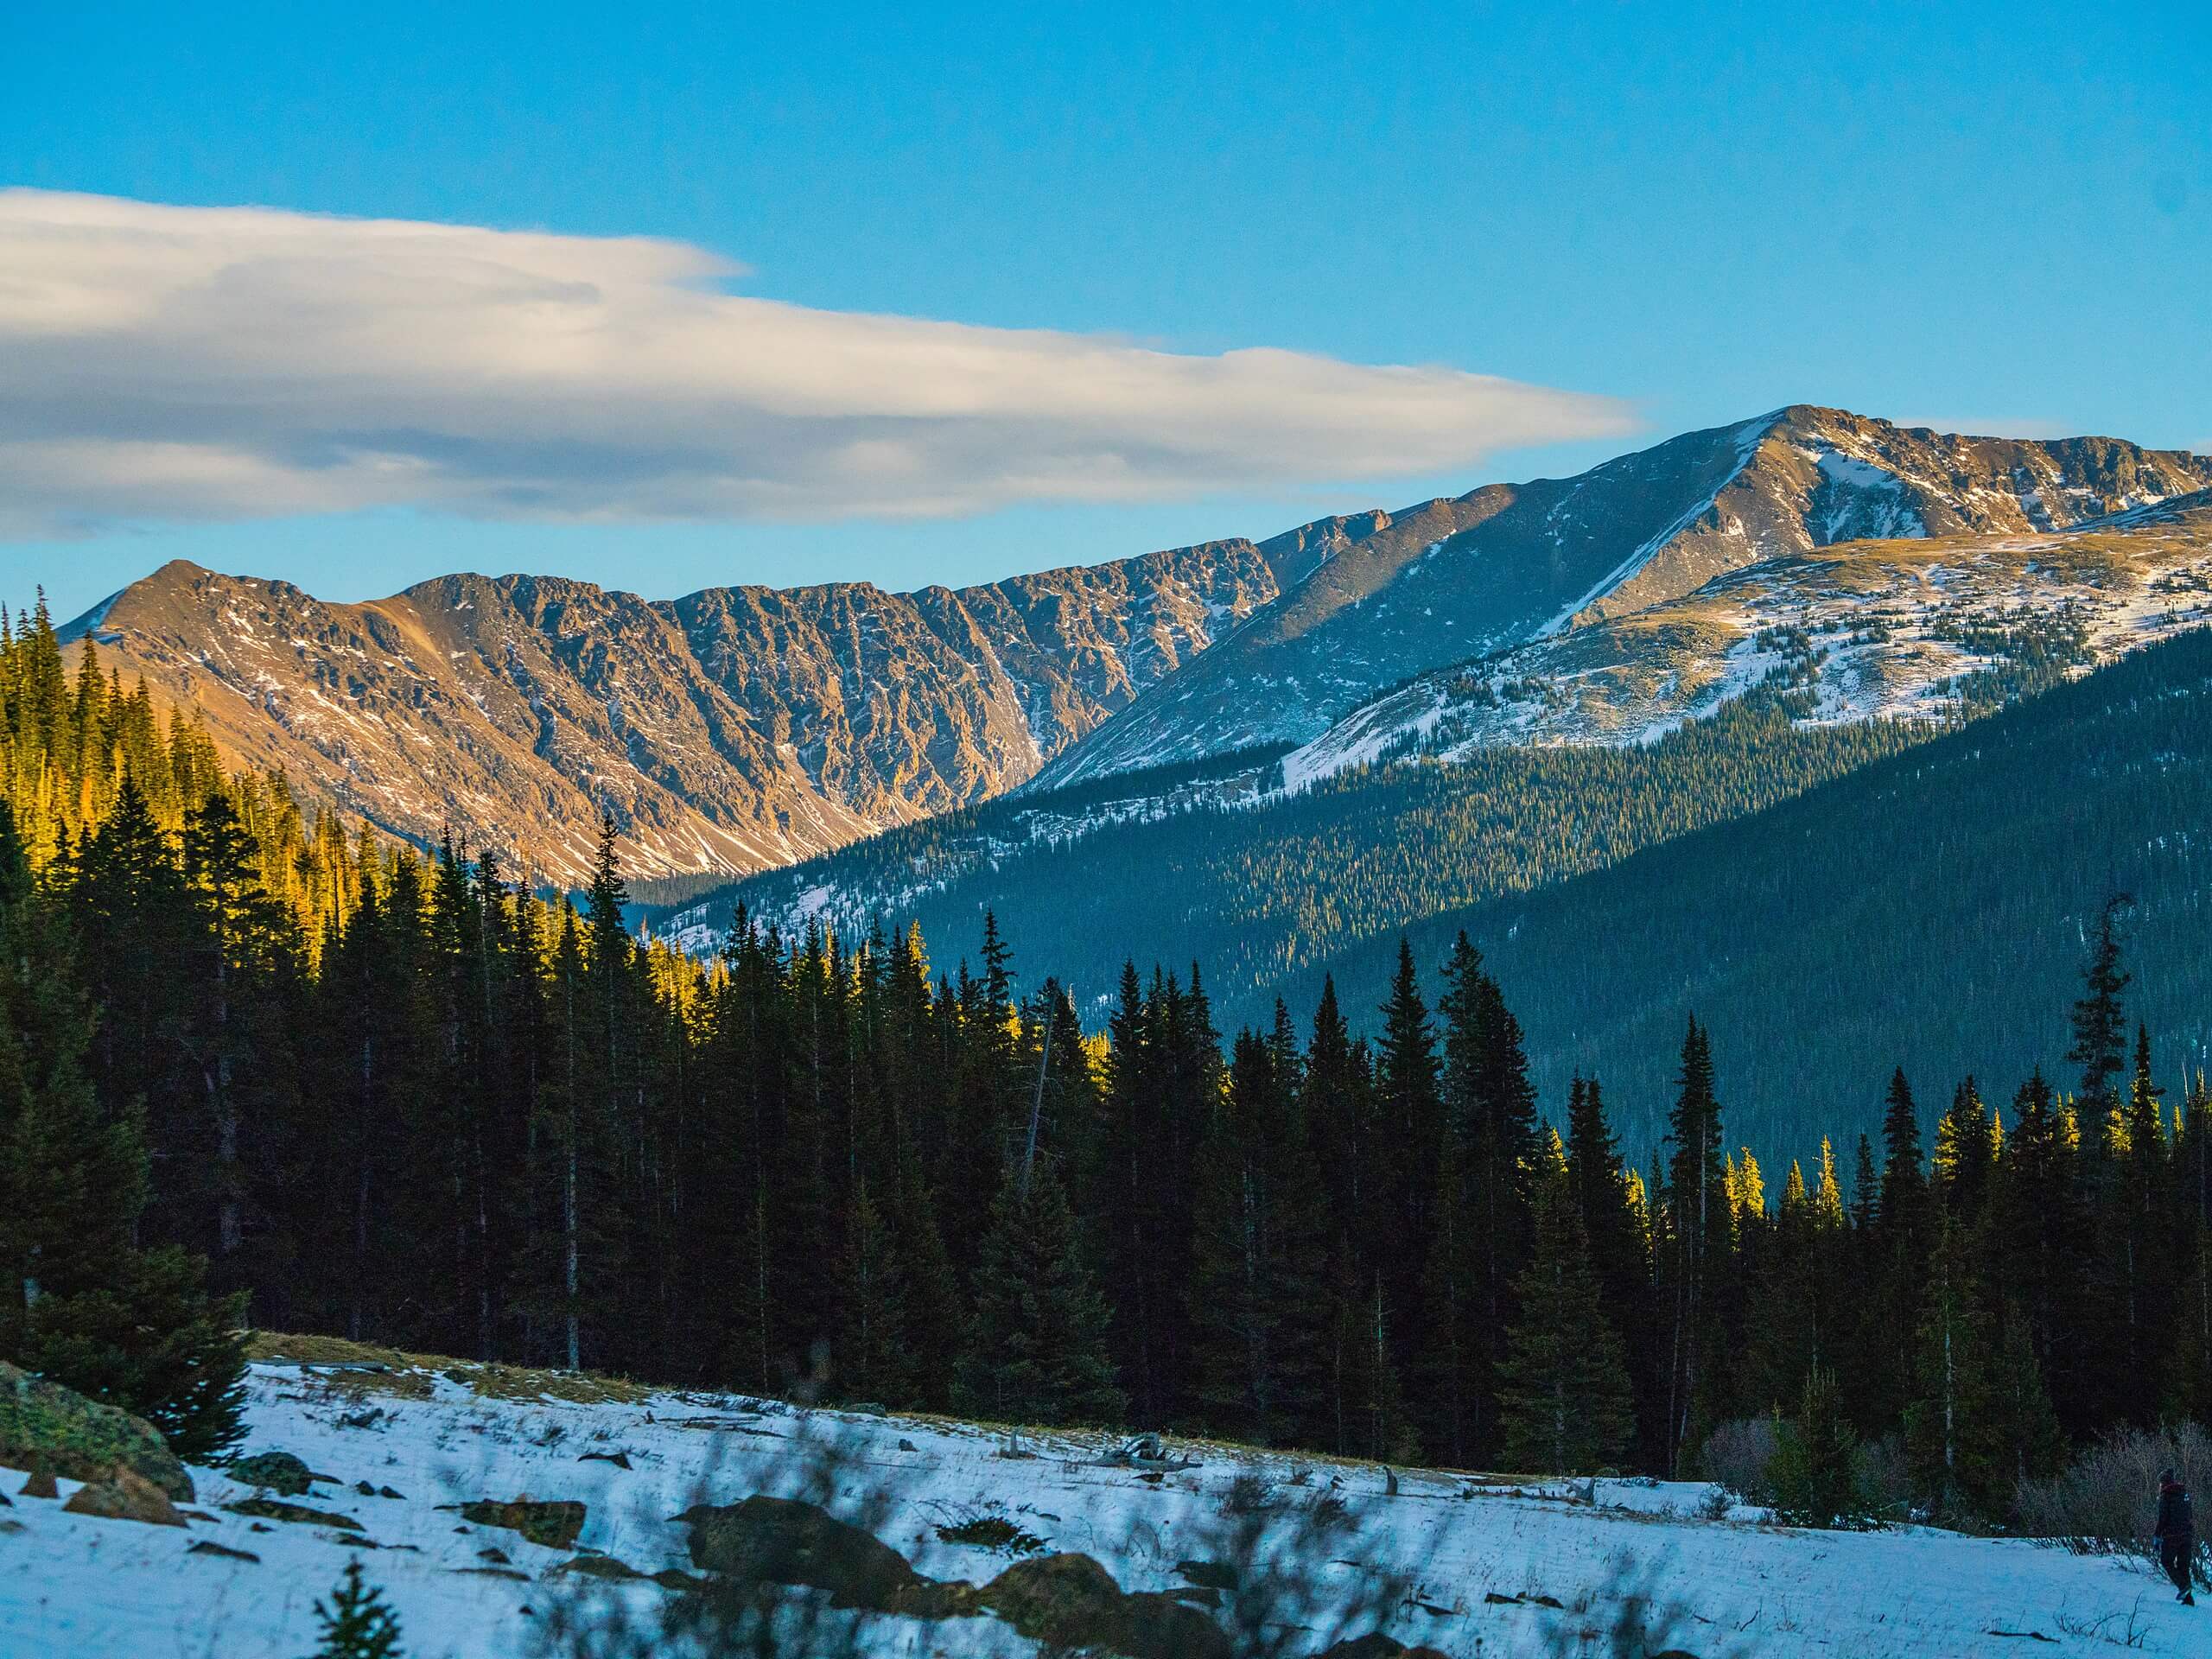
[[2039, 1229], [1814, 1470], [80, 1301], [357, 1623], [1258, 1288], [1038, 1348], [1409, 1113], [2100, 1018], [1695, 1254], [1565, 1397], [1610, 1199], [872, 1358]]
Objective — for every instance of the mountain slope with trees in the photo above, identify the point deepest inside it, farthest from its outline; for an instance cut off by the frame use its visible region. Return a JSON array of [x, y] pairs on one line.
[[1934, 903]]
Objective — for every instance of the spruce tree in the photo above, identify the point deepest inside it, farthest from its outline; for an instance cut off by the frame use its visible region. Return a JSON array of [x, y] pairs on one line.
[[1695, 1256], [2136, 1276], [1565, 1397], [1814, 1469], [1609, 1197], [2039, 1230], [1257, 1287], [1409, 1112], [1037, 1350], [357, 1623], [871, 1358], [2100, 1018], [80, 1301]]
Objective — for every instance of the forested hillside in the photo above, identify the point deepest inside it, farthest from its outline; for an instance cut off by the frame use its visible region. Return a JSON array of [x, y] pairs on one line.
[[1933, 905], [1255, 894]]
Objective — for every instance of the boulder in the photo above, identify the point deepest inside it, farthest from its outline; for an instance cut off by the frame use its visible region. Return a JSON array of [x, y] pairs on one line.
[[784, 1541], [598, 1566], [208, 1547], [41, 1485], [275, 1509], [125, 1494], [80, 1437], [553, 1522], [1071, 1602], [273, 1472]]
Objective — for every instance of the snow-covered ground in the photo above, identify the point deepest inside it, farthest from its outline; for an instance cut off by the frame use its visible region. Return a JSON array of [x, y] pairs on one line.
[[76, 1586]]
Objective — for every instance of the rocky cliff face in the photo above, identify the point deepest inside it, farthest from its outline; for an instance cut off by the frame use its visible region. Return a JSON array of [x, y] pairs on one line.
[[736, 728], [1515, 563]]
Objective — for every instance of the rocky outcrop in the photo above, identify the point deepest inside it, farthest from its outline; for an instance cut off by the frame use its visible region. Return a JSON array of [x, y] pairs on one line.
[[45, 1425], [274, 1471], [1069, 1604], [125, 1494], [553, 1524], [734, 729], [781, 1541]]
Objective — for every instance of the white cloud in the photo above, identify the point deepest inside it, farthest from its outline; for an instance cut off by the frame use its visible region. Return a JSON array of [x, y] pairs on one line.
[[188, 363]]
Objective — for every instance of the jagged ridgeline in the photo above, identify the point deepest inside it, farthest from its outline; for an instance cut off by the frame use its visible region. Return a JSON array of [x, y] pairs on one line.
[[742, 728]]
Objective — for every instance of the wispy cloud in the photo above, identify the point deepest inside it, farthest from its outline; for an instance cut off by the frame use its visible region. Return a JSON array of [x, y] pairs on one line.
[[180, 362]]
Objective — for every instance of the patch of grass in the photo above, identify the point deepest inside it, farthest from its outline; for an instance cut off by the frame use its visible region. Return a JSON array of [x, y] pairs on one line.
[[412, 1377]]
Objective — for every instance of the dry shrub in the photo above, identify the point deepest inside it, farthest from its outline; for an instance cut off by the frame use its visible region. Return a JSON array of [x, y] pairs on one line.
[[1739, 1457], [2107, 1503]]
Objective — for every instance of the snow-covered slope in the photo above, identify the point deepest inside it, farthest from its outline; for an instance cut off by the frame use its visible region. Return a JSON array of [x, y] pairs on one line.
[[75, 1587], [1556, 555], [1902, 629]]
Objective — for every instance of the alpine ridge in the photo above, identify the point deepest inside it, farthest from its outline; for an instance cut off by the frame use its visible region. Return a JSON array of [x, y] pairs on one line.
[[733, 729], [744, 728], [1553, 555]]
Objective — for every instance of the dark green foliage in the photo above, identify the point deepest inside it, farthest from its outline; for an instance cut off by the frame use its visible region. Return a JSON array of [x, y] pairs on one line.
[[1565, 1396], [1815, 1467], [1259, 1306], [407, 1100], [1037, 1349], [80, 1300], [1932, 906], [356, 1622]]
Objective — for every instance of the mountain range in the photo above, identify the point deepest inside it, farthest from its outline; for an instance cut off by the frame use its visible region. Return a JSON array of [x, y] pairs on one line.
[[744, 728]]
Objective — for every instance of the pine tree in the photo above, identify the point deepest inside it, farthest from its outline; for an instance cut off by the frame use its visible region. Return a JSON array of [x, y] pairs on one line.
[[2039, 1229], [80, 1301], [1038, 1350], [2100, 1018], [1695, 1256], [2136, 1281], [1409, 1113], [1257, 1302], [1615, 1217], [357, 1623], [1565, 1397], [871, 1356], [1814, 1470]]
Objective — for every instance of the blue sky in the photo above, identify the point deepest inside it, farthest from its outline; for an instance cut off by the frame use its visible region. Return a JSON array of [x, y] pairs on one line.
[[1977, 217]]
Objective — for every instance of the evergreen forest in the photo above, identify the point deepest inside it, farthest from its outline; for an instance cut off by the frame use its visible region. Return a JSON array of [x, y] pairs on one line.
[[258, 1071]]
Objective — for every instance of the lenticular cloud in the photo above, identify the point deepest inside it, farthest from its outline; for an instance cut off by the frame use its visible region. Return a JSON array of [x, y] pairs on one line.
[[171, 363]]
